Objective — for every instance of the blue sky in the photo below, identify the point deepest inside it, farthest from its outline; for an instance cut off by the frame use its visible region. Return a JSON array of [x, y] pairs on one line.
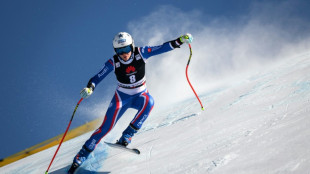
[[50, 49]]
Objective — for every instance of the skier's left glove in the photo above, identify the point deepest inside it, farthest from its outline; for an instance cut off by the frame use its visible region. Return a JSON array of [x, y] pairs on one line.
[[186, 38]]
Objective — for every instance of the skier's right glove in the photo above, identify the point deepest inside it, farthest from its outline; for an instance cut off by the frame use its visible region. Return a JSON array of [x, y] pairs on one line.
[[86, 92]]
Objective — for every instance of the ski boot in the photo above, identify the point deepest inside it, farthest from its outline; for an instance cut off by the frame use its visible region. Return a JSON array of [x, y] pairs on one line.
[[127, 135], [73, 167], [79, 159]]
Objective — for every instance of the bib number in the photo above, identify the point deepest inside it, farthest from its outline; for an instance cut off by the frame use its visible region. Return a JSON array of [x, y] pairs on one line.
[[132, 78]]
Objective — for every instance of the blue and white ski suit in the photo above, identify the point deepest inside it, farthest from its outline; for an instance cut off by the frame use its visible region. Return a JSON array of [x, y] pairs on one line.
[[131, 91]]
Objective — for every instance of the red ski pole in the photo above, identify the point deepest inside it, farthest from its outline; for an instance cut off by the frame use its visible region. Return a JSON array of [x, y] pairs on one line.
[[190, 56], [77, 105]]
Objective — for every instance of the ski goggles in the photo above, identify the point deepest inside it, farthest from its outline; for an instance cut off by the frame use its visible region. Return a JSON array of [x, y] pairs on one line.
[[122, 50]]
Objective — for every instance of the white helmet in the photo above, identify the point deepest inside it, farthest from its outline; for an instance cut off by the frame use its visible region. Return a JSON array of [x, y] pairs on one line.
[[123, 39]]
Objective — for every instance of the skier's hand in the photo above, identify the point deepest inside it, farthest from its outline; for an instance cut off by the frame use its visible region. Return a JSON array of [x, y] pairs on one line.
[[186, 38], [86, 92]]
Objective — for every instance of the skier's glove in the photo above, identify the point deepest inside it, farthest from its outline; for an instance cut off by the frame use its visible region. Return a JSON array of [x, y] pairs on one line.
[[186, 38], [86, 92]]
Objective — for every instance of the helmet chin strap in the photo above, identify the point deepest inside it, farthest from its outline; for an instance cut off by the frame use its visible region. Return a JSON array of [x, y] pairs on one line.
[[133, 46]]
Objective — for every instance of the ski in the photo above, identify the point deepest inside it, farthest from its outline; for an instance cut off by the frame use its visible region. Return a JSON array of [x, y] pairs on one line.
[[133, 150]]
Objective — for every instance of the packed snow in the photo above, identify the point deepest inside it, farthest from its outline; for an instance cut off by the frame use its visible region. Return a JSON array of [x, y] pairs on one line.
[[258, 125]]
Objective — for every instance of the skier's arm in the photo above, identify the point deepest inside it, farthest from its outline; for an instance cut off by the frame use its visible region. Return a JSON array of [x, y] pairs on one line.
[[149, 51], [105, 70]]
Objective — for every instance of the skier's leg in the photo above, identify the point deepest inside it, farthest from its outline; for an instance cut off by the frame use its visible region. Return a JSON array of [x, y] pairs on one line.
[[144, 104], [114, 112]]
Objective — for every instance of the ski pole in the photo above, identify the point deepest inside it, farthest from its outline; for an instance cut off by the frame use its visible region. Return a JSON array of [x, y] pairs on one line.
[[190, 56], [77, 105]]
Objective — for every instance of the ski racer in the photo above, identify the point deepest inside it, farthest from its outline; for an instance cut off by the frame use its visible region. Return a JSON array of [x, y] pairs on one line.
[[128, 65]]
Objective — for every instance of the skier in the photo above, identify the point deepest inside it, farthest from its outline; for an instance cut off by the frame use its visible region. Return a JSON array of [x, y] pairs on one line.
[[128, 65]]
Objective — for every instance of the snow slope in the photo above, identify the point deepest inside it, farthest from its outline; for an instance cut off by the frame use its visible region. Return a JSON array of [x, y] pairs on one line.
[[255, 125]]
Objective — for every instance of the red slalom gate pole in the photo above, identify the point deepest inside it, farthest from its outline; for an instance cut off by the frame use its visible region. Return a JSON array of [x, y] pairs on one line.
[[77, 105], [190, 56]]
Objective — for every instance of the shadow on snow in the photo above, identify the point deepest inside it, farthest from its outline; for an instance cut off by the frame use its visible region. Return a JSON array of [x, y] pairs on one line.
[[79, 170]]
